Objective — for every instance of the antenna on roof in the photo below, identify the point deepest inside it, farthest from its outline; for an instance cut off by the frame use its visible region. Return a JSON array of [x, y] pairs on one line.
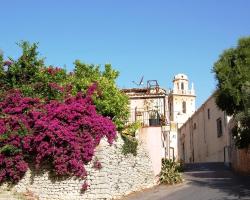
[[140, 83]]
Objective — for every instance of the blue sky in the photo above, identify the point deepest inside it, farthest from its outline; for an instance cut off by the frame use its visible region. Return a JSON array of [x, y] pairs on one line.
[[157, 39]]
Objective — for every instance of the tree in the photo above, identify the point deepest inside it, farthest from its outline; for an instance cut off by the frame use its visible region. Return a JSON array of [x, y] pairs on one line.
[[30, 75], [2, 73], [50, 116], [109, 100], [21, 73], [23, 70], [232, 71]]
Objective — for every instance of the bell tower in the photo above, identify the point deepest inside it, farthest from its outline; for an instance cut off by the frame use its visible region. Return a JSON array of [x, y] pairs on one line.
[[181, 99]]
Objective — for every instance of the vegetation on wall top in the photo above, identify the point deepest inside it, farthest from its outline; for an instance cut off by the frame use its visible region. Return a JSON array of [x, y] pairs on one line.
[[30, 75], [50, 116]]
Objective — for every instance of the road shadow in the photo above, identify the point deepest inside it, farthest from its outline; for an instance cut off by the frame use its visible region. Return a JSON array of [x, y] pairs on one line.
[[219, 177]]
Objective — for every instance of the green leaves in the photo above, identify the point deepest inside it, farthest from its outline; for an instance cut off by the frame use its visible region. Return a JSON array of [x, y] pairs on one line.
[[2, 73], [109, 100], [130, 145], [29, 74], [129, 137], [170, 172], [24, 69], [9, 150], [232, 71]]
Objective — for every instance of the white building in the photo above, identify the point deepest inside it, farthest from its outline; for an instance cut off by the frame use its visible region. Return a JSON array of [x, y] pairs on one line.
[[155, 107], [181, 100]]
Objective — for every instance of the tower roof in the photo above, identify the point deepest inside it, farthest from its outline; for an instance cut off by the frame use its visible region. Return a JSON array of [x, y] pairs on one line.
[[180, 77]]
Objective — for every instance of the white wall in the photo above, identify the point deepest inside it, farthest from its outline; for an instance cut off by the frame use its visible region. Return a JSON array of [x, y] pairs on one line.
[[151, 137], [177, 112], [179, 95]]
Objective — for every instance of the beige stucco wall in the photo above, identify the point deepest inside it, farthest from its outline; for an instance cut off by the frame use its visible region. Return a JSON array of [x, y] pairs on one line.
[[144, 106], [151, 137], [201, 143], [176, 102]]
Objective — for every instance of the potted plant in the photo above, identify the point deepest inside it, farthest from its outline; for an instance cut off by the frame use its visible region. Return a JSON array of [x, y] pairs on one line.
[[163, 120]]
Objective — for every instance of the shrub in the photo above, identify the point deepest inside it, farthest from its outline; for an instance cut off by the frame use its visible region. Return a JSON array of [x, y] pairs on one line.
[[170, 172], [49, 115], [109, 100], [29, 74], [130, 145], [62, 134], [130, 142]]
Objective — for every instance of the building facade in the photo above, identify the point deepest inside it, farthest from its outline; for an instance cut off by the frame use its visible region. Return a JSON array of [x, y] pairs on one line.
[[173, 128], [147, 105], [155, 107], [205, 136], [181, 100]]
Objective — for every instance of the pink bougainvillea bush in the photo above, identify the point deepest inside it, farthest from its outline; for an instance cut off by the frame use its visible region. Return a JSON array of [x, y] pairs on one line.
[[63, 134]]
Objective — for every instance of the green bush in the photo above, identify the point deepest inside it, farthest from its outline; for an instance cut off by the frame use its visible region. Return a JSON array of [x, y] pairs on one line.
[[109, 100], [130, 145], [29, 74], [170, 172], [131, 129], [232, 72], [128, 135]]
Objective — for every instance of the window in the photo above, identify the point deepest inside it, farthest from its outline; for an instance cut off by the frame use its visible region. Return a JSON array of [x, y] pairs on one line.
[[208, 113], [194, 126], [182, 86], [219, 127], [184, 107]]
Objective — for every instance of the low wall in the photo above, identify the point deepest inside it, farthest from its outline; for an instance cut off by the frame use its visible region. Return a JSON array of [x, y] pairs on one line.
[[241, 160], [119, 175], [152, 138]]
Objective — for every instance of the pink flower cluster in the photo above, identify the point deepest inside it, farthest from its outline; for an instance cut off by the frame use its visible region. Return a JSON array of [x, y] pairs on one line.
[[7, 63], [53, 71], [63, 134], [97, 165], [56, 87], [85, 186], [12, 167]]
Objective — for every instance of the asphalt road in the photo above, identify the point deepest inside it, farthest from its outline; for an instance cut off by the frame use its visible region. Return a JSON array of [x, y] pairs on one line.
[[209, 181]]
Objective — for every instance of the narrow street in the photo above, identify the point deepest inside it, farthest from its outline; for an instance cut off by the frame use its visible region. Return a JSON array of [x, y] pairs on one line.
[[208, 181]]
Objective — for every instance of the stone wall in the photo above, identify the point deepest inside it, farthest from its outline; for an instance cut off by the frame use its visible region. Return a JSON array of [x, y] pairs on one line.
[[119, 175]]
